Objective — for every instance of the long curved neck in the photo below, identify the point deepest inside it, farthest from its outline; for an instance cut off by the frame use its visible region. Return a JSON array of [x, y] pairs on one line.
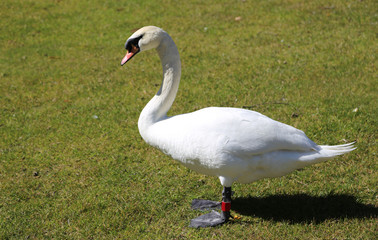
[[158, 106]]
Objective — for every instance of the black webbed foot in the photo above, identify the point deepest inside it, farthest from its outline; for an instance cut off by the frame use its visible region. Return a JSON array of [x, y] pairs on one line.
[[210, 219], [203, 205]]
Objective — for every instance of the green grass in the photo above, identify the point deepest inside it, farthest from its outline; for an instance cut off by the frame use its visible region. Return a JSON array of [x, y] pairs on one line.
[[66, 174]]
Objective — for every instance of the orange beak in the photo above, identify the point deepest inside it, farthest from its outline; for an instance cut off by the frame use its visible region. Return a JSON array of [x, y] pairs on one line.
[[134, 50]]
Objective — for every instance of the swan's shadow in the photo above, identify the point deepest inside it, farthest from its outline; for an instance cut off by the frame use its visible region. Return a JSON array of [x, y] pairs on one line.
[[302, 208]]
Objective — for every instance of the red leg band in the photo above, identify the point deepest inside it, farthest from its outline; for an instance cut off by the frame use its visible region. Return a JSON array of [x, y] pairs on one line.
[[226, 206]]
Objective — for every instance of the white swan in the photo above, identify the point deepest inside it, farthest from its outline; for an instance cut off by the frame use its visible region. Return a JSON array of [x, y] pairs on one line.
[[236, 145]]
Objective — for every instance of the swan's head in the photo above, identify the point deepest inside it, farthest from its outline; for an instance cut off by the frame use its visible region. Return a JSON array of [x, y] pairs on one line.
[[143, 39]]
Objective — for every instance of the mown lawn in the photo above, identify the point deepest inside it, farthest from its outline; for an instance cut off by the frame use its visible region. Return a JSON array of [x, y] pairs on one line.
[[72, 163]]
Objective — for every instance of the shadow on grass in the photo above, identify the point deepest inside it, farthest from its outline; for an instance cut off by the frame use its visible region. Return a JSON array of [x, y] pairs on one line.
[[302, 208]]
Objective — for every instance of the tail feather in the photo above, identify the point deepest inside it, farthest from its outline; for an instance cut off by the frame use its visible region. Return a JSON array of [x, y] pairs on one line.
[[326, 152], [331, 151]]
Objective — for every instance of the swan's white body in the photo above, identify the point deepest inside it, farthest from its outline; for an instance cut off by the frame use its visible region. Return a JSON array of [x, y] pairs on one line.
[[233, 144]]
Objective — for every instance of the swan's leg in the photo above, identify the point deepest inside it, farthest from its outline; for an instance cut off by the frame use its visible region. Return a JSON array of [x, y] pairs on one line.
[[226, 203], [214, 218]]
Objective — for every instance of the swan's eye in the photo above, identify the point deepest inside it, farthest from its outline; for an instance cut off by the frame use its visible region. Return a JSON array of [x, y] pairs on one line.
[[131, 46], [134, 48], [132, 43]]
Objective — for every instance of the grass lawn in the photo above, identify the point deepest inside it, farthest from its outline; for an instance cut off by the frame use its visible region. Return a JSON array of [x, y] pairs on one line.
[[72, 162]]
